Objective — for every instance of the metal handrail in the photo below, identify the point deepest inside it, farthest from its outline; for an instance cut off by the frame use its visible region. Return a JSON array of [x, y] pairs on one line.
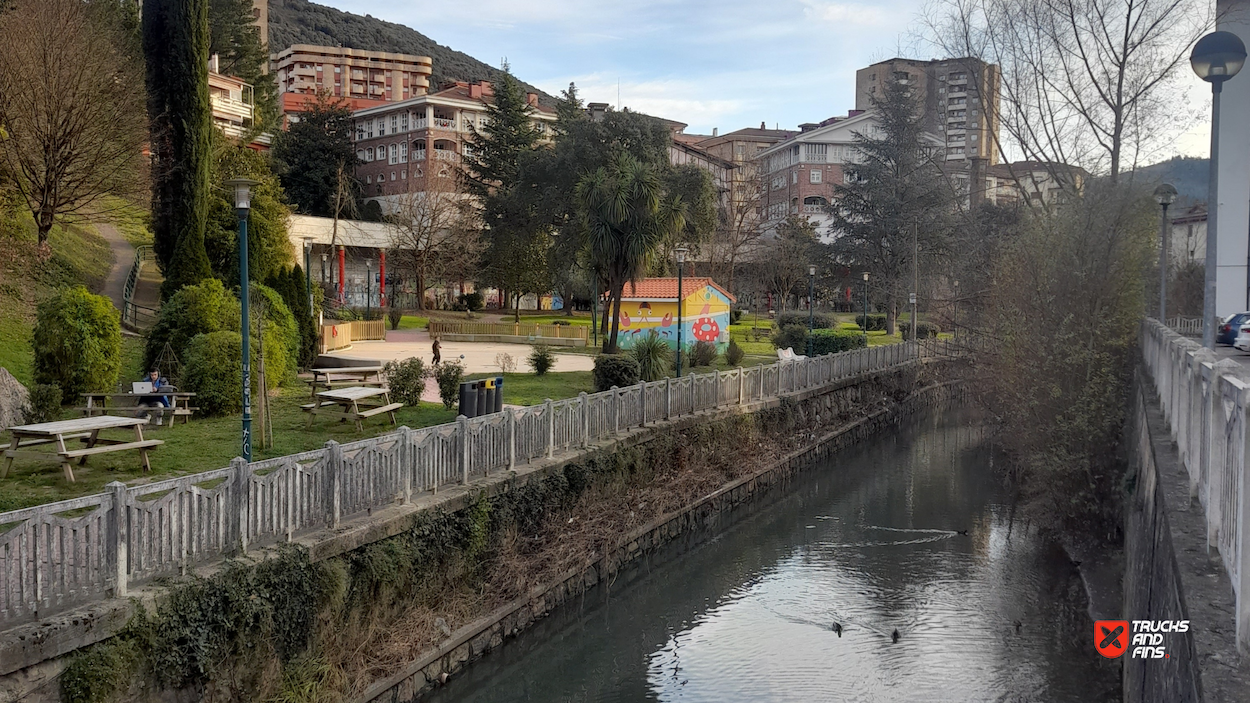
[[131, 313]]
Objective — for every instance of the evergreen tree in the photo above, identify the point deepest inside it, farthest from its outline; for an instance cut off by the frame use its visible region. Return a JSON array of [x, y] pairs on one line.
[[516, 240], [175, 44], [235, 39], [268, 248], [896, 203], [312, 153]]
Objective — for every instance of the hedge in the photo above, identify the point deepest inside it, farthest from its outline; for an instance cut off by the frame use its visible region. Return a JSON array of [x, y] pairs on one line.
[[791, 337], [615, 370], [834, 341], [212, 370], [77, 342], [194, 310], [819, 321], [924, 330], [876, 322]]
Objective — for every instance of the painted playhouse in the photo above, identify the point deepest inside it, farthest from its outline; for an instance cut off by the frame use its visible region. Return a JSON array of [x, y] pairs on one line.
[[651, 306]]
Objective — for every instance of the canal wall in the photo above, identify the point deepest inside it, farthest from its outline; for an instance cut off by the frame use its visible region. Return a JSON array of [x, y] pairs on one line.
[[1172, 573], [690, 525], [276, 619]]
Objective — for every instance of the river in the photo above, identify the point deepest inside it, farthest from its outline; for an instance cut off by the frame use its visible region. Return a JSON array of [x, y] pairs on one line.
[[869, 540]]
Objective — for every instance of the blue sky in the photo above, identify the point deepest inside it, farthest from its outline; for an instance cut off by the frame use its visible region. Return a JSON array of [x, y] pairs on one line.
[[710, 63]]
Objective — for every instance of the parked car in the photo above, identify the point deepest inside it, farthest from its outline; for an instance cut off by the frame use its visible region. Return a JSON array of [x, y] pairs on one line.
[[1242, 342], [1230, 328]]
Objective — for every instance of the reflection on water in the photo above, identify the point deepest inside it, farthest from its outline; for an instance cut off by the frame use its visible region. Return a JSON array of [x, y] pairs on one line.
[[871, 541]]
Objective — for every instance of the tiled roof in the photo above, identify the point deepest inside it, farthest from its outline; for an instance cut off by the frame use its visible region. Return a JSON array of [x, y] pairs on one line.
[[666, 288], [462, 92]]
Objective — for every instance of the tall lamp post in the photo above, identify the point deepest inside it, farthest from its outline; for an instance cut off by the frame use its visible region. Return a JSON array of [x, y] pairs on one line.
[[1216, 57], [1165, 195], [681, 260], [368, 288], [242, 205], [956, 321], [865, 309], [811, 305], [324, 258], [308, 272]]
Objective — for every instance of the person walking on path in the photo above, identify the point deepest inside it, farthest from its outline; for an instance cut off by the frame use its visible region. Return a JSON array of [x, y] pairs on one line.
[[438, 357]]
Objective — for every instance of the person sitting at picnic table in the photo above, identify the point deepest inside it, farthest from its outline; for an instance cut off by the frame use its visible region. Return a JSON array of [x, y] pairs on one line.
[[155, 401], [438, 352]]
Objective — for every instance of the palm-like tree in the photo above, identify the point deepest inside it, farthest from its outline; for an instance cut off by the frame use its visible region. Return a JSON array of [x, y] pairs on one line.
[[628, 217]]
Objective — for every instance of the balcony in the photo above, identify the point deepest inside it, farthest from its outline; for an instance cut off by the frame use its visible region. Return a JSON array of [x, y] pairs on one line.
[[815, 209], [231, 108], [444, 123], [419, 123], [418, 154], [446, 155]]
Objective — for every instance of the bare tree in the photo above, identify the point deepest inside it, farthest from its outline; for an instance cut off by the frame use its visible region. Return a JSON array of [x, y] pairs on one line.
[[435, 238], [1082, 82], [71, 105], [784, 261], [738, 229]]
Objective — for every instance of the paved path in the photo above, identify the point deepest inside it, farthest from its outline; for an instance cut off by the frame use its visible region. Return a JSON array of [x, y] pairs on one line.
[[123, 258], [477, 357]]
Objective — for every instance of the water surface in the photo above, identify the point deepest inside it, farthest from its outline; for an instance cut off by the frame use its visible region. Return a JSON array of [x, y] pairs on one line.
[[869, 540]]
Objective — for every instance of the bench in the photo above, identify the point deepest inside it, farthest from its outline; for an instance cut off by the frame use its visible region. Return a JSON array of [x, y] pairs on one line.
[[350, 406], [86, 429], [103, 447], [788, 354], [379, 410]]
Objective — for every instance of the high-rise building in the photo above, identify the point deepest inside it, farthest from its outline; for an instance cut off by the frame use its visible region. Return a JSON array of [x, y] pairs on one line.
[[960, 99], [353, 74]]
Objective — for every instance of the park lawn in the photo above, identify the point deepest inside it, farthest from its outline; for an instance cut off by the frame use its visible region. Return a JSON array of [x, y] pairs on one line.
[[742, 334], [413, 322], [201, 445], [530, 389], [580, 319], [132, 221]]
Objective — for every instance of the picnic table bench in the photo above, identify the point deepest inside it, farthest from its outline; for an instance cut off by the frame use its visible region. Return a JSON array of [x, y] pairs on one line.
[[86, 429], [346, 376], [99, 403], [350, 407]]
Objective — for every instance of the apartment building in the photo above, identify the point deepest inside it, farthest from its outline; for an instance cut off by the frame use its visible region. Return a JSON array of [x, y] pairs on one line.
[[959, 97], [402, 143], [352, 74], [740, 147], [233, 106], [1033, 181], [798, 174]]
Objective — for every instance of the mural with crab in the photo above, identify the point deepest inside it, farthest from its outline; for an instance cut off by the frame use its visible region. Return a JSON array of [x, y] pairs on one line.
[[650, 305]]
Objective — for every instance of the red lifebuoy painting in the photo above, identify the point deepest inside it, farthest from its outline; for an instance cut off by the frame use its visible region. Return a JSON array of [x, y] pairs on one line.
[[705, 329]]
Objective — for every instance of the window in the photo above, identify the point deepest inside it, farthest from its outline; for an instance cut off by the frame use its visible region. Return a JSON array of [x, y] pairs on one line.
[[794, 177], [394, 124], [815, 175], [394, 155], [740, 150], [958, 101], [942, 89], [369, 129], [778, 182], [403, 152], [369, 180], [381, 126], [369, 154], [360, 154], [338, 69], [318, 67], [403, 175], [958, 113], [392, 175], [403, 121]]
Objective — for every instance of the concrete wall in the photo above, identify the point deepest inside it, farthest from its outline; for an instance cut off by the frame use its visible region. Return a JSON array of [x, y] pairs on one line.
[[1234, 178]]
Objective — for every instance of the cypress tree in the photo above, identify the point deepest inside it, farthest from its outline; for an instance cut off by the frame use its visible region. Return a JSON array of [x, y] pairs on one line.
[[175, 45]]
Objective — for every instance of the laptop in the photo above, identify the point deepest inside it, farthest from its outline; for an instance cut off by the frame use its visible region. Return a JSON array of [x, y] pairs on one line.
[[141, 387]]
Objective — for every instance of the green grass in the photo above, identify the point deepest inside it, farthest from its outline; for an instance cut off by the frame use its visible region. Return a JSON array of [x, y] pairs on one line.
[[413, 322], [133, 221], [200, 445], [529, 389], [581, 319]]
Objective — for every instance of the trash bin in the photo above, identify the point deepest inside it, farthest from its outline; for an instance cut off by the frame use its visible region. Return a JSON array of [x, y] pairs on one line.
[[498, 394], [468, 399]]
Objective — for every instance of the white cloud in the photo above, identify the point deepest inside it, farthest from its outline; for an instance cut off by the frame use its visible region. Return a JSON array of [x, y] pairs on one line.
[[844, 13]]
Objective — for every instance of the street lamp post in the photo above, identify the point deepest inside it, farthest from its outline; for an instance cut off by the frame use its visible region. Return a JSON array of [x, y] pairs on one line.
[[955, 324], [308, 272], [242, 205], [865, 309], [681, 260], [811, 305], [1165, 195], [368, 288], [1216, 58], [324, 258]]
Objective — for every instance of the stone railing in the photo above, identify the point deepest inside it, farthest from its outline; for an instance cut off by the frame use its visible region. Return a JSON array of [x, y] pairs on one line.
[[1205, 400], [59, 555], [1189, 326]]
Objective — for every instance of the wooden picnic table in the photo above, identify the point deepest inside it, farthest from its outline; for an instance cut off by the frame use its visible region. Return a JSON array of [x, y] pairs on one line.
[[98, 403], [345, 377], [86, 429], [350, 407]]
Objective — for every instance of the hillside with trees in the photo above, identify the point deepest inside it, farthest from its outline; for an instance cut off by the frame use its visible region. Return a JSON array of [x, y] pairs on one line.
[[1190, 175], [302, 22]]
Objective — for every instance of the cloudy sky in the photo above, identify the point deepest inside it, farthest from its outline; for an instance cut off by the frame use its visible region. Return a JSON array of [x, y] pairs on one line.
[[710, 63]]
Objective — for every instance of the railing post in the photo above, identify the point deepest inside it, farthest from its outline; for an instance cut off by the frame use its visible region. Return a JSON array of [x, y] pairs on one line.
[[741, 387], [551, 428], [1243, 532], [242, 499], [642, 403], [585, 408], [511, 420], [760, 368], [405, 464], [462, 429], [119, 538], [616, 410], [668, 397], [334, 483]]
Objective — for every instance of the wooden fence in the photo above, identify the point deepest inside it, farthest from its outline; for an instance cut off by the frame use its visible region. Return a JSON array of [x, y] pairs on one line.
[[64, 554], [510, 329], [340, 335]]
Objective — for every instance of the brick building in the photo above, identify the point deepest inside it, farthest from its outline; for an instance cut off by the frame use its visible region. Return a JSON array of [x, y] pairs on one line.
[[352, 74], [740, 147], [400, 143]]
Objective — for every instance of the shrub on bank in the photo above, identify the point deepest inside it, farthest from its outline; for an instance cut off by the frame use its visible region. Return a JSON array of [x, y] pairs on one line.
[[448, 375], [819, 321], [734, 353], [212, 370], [653, 356], [406, 380], [702, 354], [194, 310], [542, 359], [875, 322], [44, 404], [615, 370], [924, 330], [77, 342], [834, 341], [791, 337]]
